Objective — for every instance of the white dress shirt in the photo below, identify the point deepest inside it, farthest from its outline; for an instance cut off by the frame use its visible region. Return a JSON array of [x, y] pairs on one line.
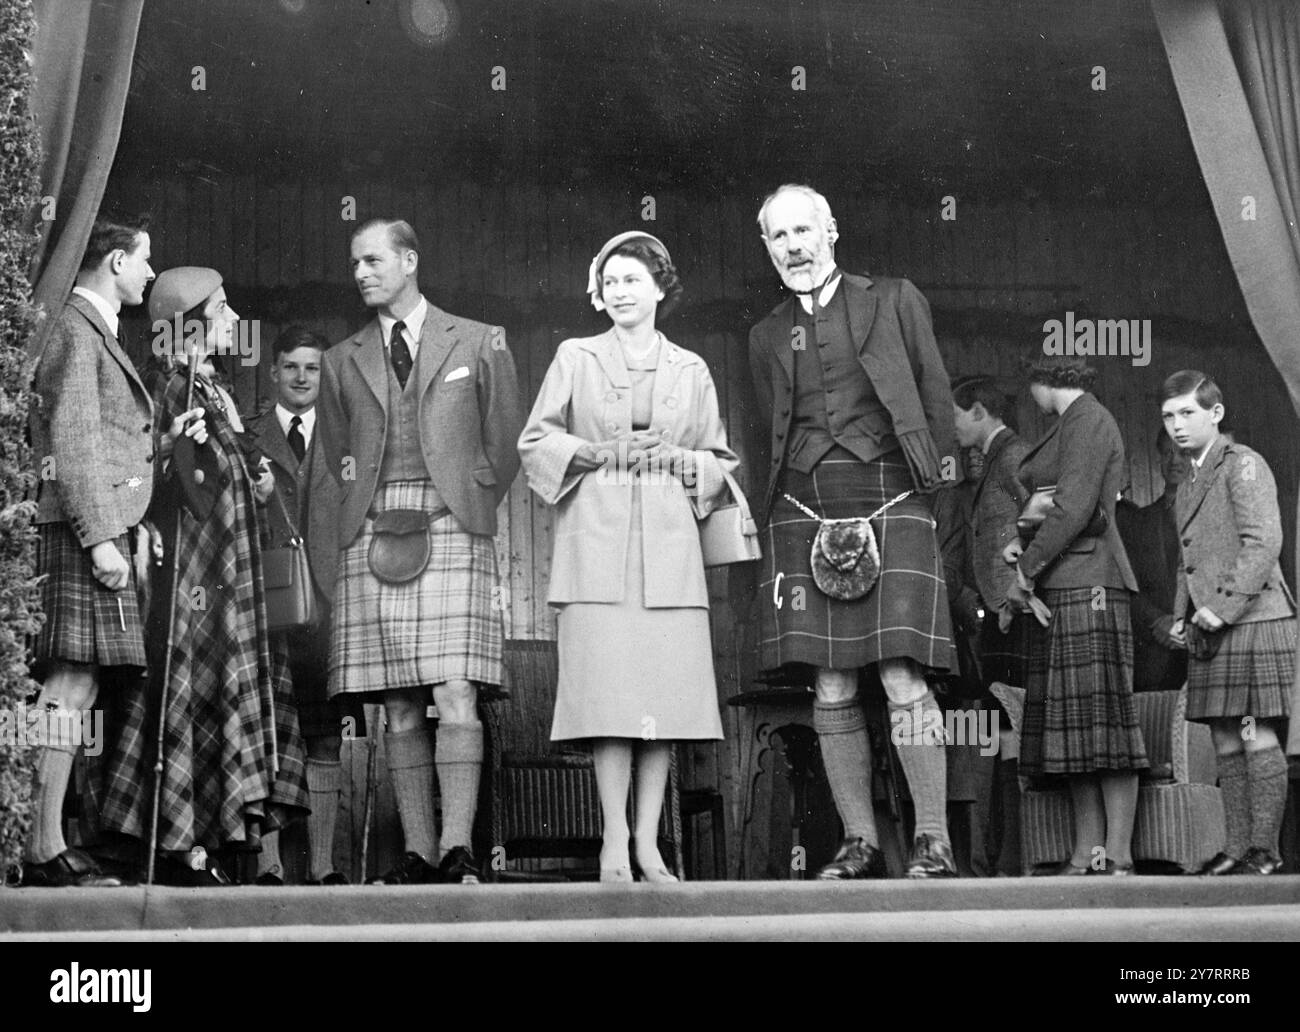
[[101, 306], [412, 326], [307, 425]]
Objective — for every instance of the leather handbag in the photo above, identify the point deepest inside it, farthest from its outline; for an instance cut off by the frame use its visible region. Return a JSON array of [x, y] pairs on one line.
[[286, 580], [1038, 503], [729, 534], [399, 544]]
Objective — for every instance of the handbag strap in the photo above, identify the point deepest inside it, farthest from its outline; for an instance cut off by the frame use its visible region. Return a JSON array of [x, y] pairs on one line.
[[295, 538], [822, 519], [751, 528]]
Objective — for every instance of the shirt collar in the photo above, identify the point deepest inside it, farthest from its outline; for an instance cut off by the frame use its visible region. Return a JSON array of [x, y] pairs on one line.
[[827, 292], [988, 441], [286, 417], [101, 306], [414, 324], [1199, 460]]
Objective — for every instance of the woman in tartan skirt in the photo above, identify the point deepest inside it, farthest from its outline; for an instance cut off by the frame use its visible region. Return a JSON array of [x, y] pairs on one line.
[[1080, 720], [1235, 615], [233, 756]]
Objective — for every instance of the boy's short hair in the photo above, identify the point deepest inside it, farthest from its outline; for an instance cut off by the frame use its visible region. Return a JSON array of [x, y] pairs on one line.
[[1192, 381], [985, 390]]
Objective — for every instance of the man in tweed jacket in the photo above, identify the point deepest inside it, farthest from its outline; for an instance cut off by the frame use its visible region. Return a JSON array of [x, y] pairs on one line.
[[420, 411], [95, 451], [851, 383]]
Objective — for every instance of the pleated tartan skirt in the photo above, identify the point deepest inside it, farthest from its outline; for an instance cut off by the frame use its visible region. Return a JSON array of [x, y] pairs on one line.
[[85, 622], [904, 615], [1250, 675], [441, 626], [1080, 717]]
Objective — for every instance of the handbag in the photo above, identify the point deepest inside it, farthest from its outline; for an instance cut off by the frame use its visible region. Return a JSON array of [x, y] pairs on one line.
[[399, 543], [286, 579], [729, 534], [845, 558], [1038, 503]]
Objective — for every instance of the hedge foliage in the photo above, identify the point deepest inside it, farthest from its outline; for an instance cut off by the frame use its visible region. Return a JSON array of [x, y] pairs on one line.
[[19, 601]]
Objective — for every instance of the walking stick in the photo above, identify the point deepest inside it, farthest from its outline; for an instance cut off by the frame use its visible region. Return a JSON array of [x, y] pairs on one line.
[[372, 751], [171, 641]]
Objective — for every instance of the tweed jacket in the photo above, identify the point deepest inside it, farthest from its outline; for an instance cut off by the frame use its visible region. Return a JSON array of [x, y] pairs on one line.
[[993, 518], [310, 495], [93, 437], [469, 410], [1083, 455], [890, 323], [587, 398], [1230, 537]]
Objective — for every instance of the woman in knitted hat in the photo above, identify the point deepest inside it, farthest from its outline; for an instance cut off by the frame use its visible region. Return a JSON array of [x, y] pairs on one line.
[[626, 441], [234, 763]]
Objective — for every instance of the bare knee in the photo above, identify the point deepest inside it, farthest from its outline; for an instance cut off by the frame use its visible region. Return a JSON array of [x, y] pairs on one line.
[[902, 681], [457, 702], [406, 708], [70, 686], [836, 685]]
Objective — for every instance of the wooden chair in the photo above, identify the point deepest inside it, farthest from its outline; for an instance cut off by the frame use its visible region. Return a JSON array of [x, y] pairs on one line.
[[544, 802]]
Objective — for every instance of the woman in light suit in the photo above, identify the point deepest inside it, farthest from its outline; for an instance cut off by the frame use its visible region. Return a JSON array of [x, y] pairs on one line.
[[626, 441]]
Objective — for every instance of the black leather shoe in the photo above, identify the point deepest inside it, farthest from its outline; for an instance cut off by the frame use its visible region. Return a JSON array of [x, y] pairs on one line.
[[1259, 861], [412, 869], [1219, 864], [333, 878], [931, 858], [1115, 869], [272, 877], [856, 858], [459, 867], [71, 867]]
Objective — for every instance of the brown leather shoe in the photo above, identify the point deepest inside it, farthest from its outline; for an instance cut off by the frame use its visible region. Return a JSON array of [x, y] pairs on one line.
[[71, 867], [857, 858], [1219, 864], [931, 858], [1259, 861]]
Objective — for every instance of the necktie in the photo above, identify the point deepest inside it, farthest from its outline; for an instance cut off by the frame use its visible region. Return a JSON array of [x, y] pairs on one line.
[[399, 354], [297, 443]]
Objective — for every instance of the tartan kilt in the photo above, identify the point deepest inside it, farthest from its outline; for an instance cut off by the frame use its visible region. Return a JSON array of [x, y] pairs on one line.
[[84, 622], [1250, 675], [1005, 657], [905, 614], [441, 626], [1080, 717]]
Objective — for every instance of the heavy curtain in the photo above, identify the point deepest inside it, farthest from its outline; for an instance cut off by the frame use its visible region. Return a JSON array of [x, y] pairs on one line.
[[1236, 66], [82, 62]]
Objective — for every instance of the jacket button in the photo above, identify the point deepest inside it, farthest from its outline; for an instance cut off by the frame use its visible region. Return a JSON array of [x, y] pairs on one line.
[[146, 429], [1187, 541], [612, 396], [1190, 569]]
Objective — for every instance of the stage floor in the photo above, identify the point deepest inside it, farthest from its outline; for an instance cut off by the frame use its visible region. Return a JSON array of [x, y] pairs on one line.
[[1134, 909]]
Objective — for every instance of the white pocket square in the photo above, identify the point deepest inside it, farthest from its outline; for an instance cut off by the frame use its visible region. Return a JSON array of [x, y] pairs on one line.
[[456, 374]]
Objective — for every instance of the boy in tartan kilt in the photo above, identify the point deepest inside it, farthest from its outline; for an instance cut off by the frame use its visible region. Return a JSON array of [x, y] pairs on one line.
[[94, 446], [1235, 615]]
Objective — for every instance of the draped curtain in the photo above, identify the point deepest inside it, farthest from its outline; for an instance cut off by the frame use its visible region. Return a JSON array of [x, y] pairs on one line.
[[82, 63], [1236, 66]]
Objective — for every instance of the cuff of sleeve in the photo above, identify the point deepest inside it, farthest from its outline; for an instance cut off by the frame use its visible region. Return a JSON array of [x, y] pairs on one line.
[[922, 458]]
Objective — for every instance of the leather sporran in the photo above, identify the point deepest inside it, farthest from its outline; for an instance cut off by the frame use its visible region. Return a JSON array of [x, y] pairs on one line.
[[399, 544], [729, 534]]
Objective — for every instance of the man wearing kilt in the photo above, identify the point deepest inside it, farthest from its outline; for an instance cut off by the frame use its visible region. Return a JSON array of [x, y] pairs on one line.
[[1236, 617], [420, 412], [850, 380], [94, 446]]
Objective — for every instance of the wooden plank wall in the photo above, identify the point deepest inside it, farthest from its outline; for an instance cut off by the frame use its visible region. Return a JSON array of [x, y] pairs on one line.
[[518, 256]]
